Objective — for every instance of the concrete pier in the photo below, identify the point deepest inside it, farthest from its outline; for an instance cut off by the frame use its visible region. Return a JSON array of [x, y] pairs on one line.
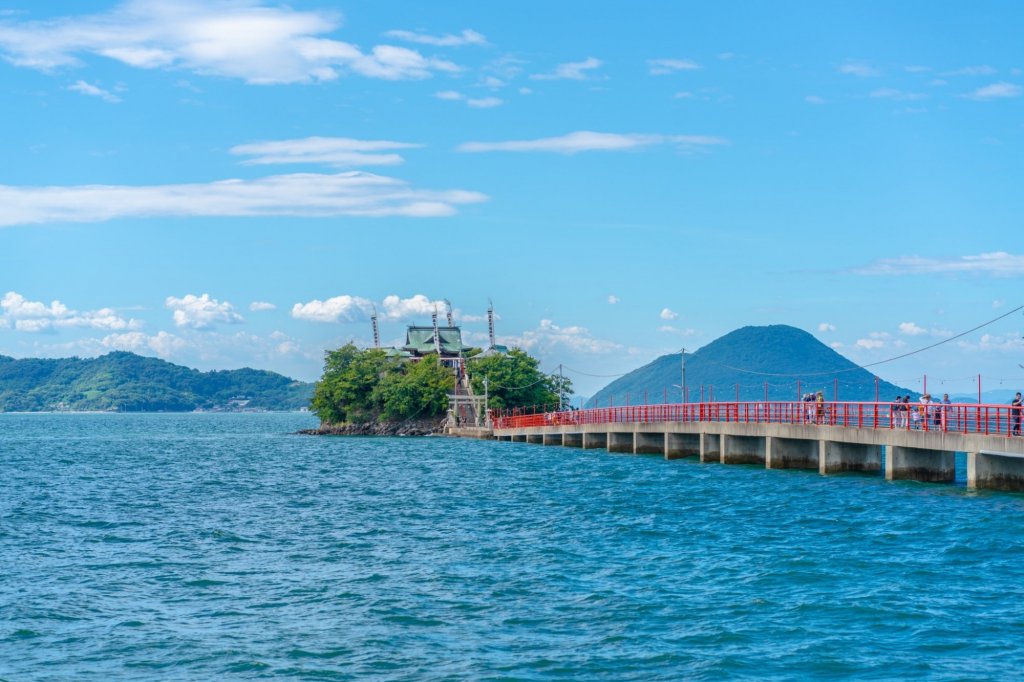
[[919, 464], [995, 461]]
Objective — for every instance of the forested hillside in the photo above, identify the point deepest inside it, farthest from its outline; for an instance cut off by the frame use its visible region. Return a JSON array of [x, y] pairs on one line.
[[123, 381]]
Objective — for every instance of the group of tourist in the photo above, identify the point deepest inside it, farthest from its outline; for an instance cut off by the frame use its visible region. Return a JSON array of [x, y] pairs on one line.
[[926, 413]]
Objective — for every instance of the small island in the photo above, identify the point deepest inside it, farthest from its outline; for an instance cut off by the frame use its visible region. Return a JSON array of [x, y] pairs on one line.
[[433, 380]]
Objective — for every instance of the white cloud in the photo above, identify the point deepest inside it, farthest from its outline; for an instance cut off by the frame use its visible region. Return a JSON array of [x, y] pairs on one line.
[[548, 337], [1002, 343], [162, 344], [858, 68], [333, 151], [301, 194], [243, 39], [667, 314], [869, 344], [997, 264], [661, 67], [998, 303], [450, 95], [983, 70], [337, 309], [835, 345], [613, 299], [396, 308], [570, 71], [994, 91], [911, 329], [917, 68], [814, 99], [669, 329], [898, 95], [485, 102], [826, 327], [585, 141], [257, 306], [683, 94], [481, 103], [201, 312], [84, 88], [467, 37], [35, 316]]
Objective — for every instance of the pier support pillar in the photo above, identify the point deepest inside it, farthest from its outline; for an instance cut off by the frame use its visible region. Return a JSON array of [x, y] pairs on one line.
[[790, 453], [518, 437], [992, 471], [572, 440], [620, 442], [648, 443], [919, 464], [678, 445], [743, 449], [535, 438], [592, 441], [710, 447], [836, 457], [552, 439]]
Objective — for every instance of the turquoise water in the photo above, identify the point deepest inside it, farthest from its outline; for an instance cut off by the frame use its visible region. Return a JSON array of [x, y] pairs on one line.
[[220, 547]]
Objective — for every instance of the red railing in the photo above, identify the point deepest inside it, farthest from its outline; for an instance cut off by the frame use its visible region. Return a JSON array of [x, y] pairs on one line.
[[996, 420]]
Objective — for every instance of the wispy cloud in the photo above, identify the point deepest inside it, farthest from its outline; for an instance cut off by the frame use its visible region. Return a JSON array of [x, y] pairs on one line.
[[576, 71], [352, 193], [93, 91], [668, 314], [467, 37], [333, 151], [585, 141], [814, 99], [898, 95], [983, 70], [613, 299], [243, 39], [861, 69], [35, 316], [663, 67], [260, 306], [548, 337], [1001, 90], [826, 327], [997, 264], [476, 103]]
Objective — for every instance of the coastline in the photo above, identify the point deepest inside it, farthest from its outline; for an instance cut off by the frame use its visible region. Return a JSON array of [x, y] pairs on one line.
[[422, 427]]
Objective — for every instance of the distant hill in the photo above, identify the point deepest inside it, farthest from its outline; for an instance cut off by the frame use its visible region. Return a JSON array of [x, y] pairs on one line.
[[749, 357], [123, 381]]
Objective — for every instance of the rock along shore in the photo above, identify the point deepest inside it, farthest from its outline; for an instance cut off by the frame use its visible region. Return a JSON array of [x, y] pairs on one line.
[[427, 427]]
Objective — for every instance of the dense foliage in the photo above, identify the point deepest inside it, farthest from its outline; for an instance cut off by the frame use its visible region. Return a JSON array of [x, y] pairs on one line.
[[123, 381], [515, 380], [788, 359], [361, 386]]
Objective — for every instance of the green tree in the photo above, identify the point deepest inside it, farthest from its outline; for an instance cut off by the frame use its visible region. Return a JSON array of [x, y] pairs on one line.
[[515, 380], [348, 390], [420, 391]]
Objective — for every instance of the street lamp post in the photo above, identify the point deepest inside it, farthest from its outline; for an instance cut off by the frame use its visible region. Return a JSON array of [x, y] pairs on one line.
[[682, 355]]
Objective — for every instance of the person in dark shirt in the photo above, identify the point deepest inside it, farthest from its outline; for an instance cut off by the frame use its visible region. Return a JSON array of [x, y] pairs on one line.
[[1015, 411]]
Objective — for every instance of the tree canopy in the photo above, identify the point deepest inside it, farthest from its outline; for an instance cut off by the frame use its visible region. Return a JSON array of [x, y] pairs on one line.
[[361, 386]]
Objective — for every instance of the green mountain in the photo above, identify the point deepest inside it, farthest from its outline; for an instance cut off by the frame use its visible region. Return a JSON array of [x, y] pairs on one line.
[[123, 381], [789, 360]]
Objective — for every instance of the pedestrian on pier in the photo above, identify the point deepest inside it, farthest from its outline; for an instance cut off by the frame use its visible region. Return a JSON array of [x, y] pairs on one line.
[[820, 400], [1016, 407], [946, 407], [899, 413]]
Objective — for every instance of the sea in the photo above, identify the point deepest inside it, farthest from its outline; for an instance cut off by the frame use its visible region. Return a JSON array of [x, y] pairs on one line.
[[224, 547]]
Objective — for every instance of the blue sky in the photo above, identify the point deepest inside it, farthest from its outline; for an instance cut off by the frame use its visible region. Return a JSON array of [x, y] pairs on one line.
[[237, 183]]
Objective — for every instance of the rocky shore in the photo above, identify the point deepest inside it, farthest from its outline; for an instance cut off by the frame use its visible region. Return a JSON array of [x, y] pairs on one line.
[[425, 427]]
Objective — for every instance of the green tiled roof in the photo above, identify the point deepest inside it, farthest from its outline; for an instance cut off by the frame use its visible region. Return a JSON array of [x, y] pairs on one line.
[[420, 340]]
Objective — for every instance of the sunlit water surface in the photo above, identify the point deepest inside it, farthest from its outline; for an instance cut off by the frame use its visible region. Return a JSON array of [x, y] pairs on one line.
[[222, 547]]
